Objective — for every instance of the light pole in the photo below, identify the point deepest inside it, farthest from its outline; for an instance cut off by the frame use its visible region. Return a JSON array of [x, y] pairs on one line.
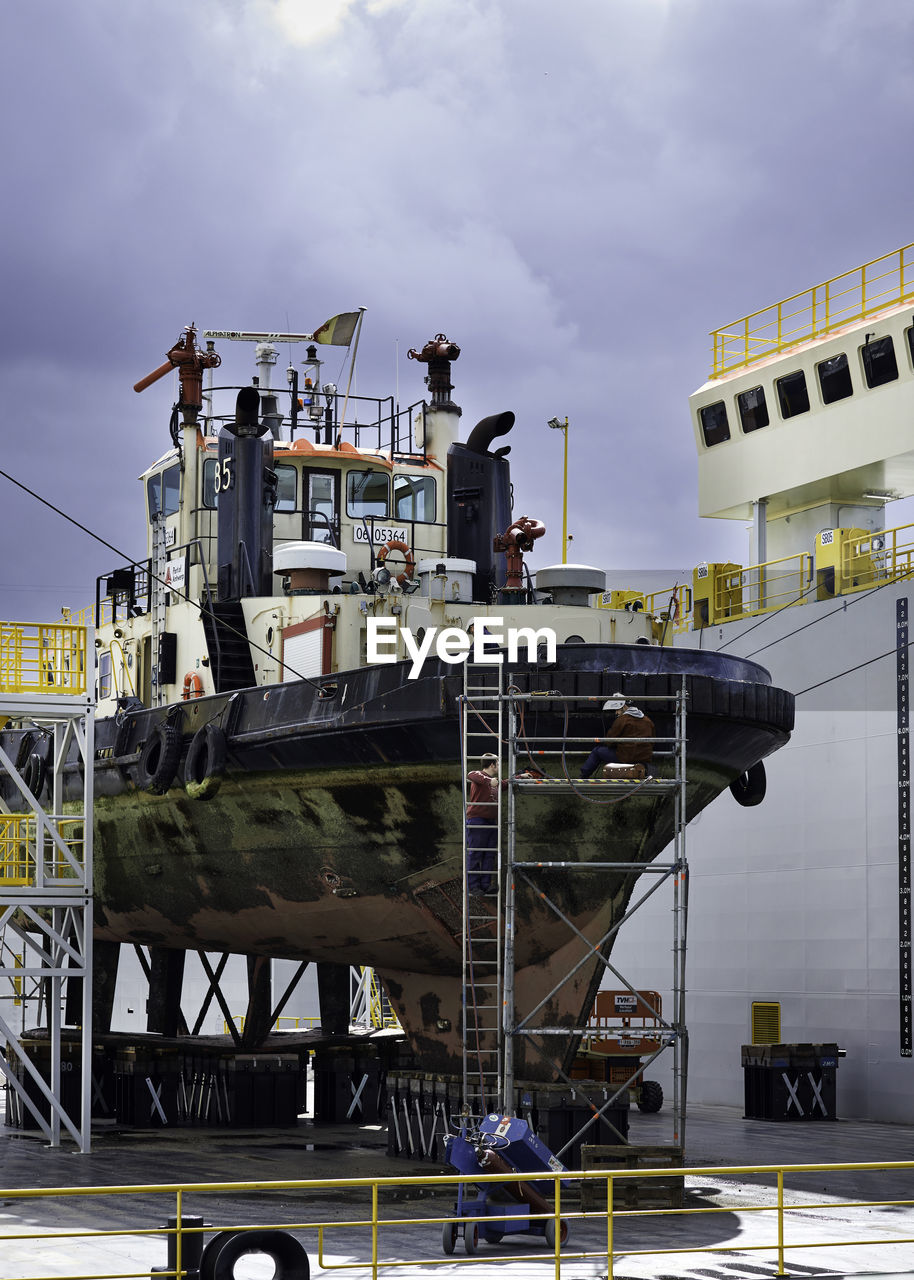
[[563, 426]]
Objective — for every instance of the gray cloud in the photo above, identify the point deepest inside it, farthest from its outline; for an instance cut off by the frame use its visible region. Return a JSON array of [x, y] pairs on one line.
[[576, 194]]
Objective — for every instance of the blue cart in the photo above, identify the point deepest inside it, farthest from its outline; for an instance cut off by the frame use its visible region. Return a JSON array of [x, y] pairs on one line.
[[501, 1144]]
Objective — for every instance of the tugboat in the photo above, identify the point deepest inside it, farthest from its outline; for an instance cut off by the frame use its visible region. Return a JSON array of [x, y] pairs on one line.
[[278, 774]]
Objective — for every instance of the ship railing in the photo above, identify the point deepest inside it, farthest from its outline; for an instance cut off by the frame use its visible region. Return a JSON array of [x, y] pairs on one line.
[[618, 1217], [30, 855], [727, 592], [373, 424], [843, 300], [43, 658], [669, 609], [875, 557], [285, 1022]]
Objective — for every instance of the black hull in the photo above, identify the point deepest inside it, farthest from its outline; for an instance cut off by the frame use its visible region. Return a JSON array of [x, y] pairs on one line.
[[337, 831]]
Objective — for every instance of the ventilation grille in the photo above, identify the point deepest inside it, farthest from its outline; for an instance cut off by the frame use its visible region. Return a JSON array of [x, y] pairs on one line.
[[766, 1022]]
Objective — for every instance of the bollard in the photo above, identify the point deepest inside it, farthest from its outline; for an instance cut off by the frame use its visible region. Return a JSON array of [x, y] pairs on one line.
[[191, 1248]]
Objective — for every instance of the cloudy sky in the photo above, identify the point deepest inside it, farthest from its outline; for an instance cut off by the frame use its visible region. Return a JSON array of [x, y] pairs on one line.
[[576, 193]]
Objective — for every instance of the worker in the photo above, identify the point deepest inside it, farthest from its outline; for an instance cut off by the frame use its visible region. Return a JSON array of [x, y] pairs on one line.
[[625, 739], [482, 823]]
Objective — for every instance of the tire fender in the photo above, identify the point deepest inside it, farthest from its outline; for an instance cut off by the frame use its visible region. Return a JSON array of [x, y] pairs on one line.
[[159, 759], [750, 787], [205, 763], [224, 1250]]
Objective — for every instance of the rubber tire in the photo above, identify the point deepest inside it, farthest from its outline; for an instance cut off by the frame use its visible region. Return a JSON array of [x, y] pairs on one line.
[[471, 1237], [549, 1232], [159, 759], [35, 774], [651, 1096], [749, 788], [225, 1249], [205, 763], [449, 1237]]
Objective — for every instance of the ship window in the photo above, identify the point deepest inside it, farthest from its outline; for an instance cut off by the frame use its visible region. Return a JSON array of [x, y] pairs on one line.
[[714, 425], [835, 379], [753, 411], [209, 482], [366, 493], [879, 362], [414, 498], [104, 674], [164, 492], [793, 398], [910, 333], [286, 488]]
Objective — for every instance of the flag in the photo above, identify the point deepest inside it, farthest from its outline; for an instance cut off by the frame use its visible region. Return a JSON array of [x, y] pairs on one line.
[[338, 330]]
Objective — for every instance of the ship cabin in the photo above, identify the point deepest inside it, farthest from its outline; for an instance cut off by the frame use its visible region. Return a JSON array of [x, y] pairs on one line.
[[803, 430], [277, 527]]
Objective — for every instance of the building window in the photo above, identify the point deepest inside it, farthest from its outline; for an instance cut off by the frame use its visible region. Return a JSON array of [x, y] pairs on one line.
[[879, 364], [793, 398], [367, 493], [835, 379], [714, 425], [286, 488], [766, 1022], [414, 498], [753, 411]]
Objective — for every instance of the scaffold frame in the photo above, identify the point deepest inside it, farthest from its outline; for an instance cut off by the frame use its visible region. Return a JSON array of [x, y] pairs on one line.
[[46, 885], [672, 1032]]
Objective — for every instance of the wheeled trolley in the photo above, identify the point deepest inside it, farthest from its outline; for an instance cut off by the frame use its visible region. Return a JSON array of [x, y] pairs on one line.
[[501, 1144]]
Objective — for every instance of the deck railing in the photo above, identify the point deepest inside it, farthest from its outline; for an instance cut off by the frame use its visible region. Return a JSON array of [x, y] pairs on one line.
[[846, 299], [42, 658]]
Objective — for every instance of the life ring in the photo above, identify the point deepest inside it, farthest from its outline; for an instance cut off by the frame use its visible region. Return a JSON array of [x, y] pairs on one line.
[[409, 567], [193, 686], [222, 1252], [158, 762], [205, 763]]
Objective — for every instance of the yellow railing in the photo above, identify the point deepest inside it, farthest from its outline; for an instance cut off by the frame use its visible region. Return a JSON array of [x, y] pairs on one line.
[[42, 658], [885, 282], [18, 852], [768, 1222], [877, 557], [283, 1023], [763, 586]]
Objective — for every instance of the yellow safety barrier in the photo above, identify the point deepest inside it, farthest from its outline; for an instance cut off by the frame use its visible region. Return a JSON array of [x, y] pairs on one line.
[[724, 592], [772, 1224], [18, 848], [284, 1022], [42, 658], [885, 282]]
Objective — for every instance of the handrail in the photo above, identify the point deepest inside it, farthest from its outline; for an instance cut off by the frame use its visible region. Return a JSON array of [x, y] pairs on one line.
[[877, 285], [42, 658], [364, 1253]]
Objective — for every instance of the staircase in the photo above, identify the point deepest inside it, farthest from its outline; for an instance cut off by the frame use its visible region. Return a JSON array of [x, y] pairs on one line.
[[227, 641]]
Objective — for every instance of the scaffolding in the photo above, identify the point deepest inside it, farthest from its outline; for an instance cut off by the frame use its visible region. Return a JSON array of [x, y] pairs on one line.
[[495, 717], [46, 878]]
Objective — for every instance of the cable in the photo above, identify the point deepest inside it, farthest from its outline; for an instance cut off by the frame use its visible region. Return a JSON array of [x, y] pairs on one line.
[[154, 577]]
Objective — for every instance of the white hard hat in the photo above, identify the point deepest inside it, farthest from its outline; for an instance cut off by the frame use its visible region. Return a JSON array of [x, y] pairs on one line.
[[615, 703]]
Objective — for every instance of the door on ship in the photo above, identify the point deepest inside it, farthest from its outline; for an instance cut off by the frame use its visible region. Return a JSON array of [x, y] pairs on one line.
[[322, 507]]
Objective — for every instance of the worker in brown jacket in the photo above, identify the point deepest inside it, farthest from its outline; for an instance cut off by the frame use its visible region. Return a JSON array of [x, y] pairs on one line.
[[624, 739]]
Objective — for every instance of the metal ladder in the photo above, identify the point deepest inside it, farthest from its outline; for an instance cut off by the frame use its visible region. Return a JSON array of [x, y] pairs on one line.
[[481, 725]]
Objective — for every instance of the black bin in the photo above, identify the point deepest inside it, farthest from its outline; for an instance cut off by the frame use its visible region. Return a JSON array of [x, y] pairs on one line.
[[790, 1081]]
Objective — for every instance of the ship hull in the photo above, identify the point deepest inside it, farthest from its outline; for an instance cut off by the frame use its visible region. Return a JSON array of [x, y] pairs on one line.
[[336, 833]]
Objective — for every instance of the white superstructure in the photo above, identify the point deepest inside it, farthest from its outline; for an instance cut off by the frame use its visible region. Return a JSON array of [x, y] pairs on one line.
[[799, 919]]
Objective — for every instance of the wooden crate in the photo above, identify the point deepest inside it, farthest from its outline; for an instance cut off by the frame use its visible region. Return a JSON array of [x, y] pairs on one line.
[[633, 1193]]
